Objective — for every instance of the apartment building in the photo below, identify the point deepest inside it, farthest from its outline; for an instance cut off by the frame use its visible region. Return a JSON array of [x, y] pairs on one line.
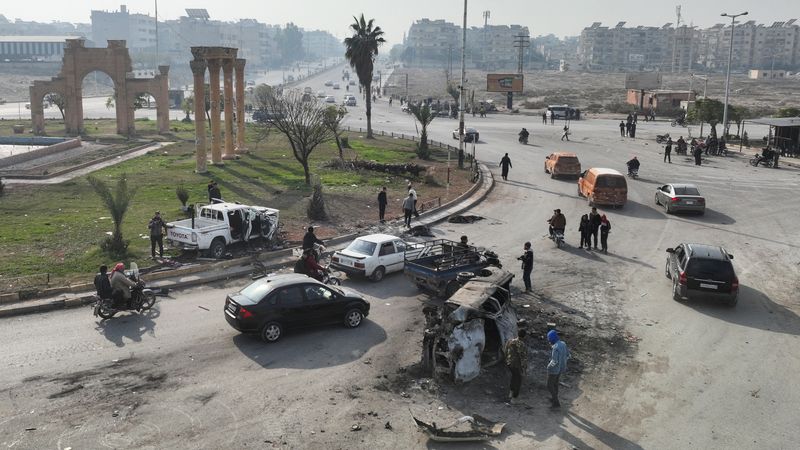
[[321, 44], [138, 30], [432, 41]]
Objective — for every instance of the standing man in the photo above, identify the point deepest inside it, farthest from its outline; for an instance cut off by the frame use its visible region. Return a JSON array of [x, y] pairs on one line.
[[632, 133], [605, 228], [517, 361], [382, 205], [698, 155], [594, 225], [635, 116], [585, 230], [566, 133], [668, 151], [214, 195], [157, 228], [527, 266], [622, 128], [505, 164], [544, 117], [408, 208], [557, 365], [552, 118]]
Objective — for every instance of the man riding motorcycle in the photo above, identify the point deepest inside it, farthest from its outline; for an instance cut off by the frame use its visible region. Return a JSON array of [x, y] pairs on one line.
[[523, 135], [633, 165], [102, 283], [558, 222], [313, 269], [121, 285]]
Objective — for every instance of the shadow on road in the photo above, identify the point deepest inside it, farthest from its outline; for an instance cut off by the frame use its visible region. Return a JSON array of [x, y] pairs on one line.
[[611, 439], [711, 216], [313, 348], [633, 209], [537, 188], [755, 310], [128, 325]]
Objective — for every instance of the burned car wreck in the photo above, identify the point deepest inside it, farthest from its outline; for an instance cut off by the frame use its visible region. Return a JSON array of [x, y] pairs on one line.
[[469, 331]]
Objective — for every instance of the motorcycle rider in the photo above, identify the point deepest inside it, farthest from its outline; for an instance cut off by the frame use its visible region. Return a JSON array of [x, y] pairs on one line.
[[102, 283], [313, 269], [523, 135], [633, 165], [309, 239], [558, 222], [121, 285]]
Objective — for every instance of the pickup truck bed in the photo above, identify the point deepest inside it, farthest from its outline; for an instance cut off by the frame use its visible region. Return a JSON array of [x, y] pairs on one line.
[[435, 265]]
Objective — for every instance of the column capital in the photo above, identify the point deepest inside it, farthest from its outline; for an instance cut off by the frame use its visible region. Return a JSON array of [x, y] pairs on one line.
[[198, 66], [240, 62], [213, 63], [227, 64]]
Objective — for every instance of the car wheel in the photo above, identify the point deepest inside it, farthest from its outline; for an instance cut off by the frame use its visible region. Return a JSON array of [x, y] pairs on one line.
[[657, 202], [353, 318], [552, 175], [666, 270], [545, 169], [667, 208], [217, 249], [676, 291], [271, 332], [378, 273], [731, 302]]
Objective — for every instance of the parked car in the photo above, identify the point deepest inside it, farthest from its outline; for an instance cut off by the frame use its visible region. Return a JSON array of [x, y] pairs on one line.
[[470, 134], [603, 187], [350, 100], [329, 83], [562, 164], [320, 94], [352, 82], [371, 256], [308, 90], [336, 86], [680, 197], [330, 99], [272, 304], [701, 270]]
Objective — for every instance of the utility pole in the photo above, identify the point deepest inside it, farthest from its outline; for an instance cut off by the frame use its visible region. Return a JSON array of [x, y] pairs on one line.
[[728, 75], [450, 63], [461, 94], [705, 87], [521, 42], [486, 15], [675, 37], [156, 65]]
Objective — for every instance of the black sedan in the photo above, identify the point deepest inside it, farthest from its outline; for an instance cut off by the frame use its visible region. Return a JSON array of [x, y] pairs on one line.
[[470, 134], [277, 302]]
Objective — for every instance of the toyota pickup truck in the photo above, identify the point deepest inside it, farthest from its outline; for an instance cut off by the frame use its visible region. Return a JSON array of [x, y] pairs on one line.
[[216, 226]]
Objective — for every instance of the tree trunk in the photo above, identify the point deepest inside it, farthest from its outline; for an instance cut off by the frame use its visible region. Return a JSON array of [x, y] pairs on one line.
[[306, 172], [339, 145], [368, 89]]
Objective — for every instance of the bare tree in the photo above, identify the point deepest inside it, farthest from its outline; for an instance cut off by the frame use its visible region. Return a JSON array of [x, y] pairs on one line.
[[302, 122], [58, 100], [333, 120]]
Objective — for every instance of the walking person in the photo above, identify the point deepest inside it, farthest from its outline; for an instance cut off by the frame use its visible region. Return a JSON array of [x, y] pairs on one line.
[[633, 130], [566, 133], [544, 117], [517, 361], [157, 228], [622, 128], [583, 228], [698, 155], [382, 205], [605, 228], [413, 193], [527, 266], [408, 209], [505, 164], [628, 128], [668, 151], [552, 117], [559, 354], [594, 225]]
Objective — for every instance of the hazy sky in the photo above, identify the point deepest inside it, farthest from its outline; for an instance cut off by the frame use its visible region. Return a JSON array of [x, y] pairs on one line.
[[541, 17]]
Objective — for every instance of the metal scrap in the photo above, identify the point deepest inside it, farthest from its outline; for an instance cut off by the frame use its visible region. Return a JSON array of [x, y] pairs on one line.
[[481, 429]]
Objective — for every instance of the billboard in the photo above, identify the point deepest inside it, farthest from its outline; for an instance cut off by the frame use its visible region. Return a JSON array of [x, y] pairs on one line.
[[504, 82], [643, 80]]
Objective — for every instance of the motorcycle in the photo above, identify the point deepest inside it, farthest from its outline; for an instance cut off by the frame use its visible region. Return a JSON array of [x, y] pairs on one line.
[[523, 140], [633, 173], [557, 236], [142, 298], [662, 138], [760, 159], [680, 121]]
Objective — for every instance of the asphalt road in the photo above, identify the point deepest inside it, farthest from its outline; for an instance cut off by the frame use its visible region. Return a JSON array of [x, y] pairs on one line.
[[703, 375]]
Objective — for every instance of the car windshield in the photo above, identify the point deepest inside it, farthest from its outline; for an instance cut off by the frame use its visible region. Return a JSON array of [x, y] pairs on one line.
[[362, 247], [710, 268], [256, 291], [686, 190]]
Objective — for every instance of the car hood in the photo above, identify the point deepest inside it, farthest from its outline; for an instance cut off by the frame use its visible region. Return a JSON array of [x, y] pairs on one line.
[[351, 293], [242, 300]]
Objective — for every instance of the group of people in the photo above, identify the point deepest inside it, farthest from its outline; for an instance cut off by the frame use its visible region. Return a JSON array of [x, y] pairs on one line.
[[628, 127], [590, 226], [516, 351]]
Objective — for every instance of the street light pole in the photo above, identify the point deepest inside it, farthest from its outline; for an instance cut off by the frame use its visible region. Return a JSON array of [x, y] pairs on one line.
[[461, 91], [728, 75]]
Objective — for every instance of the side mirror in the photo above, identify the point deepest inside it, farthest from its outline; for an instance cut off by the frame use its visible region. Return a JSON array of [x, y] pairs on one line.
[[730, 256], [670, 250]]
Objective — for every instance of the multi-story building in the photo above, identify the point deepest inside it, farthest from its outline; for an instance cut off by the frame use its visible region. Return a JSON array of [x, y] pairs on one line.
[[491, 47], [137, 30], [32, 48], [620, 48], [432, 41], [321, 44]]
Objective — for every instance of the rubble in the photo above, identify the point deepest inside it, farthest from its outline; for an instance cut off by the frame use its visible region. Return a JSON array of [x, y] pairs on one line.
[[464, 219]]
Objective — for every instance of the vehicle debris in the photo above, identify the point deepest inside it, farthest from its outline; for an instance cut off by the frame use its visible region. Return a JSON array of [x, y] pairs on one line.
[[481, 429], [464, 219], [469, 331]]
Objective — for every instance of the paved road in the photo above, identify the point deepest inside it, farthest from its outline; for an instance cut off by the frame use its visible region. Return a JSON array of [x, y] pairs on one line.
[[703, 375]]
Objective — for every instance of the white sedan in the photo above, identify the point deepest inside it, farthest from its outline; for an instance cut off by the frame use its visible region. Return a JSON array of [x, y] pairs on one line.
[[371, 256]]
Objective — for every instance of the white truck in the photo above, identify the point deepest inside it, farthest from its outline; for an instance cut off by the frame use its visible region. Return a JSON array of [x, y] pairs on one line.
[[217, 225]]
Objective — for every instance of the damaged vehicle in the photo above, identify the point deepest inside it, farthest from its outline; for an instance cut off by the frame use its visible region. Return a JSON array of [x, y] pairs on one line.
[[218, 225], [470, 329], [434, 265]]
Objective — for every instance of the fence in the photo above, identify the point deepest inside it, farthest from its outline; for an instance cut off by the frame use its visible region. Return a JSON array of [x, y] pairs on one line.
[[407, 137]]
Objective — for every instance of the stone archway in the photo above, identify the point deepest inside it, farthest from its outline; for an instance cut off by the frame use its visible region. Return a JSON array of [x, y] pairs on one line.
[[114, 61]]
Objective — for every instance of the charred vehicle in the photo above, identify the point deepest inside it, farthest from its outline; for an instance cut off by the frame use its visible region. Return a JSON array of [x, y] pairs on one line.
[[434, 265], [469, 331]]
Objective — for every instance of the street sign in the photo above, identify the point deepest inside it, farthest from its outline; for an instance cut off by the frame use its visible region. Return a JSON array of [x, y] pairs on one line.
[[643, 80], [504, 82]]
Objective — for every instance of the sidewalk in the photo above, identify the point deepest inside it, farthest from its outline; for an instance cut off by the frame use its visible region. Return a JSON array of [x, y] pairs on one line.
[[197, 274]]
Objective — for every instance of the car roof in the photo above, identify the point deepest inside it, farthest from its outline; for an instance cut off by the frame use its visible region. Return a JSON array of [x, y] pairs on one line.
[[707, 251], [225, 206], [682, 185], [286, 279], [378, 238], [566, 154], [604, 171]]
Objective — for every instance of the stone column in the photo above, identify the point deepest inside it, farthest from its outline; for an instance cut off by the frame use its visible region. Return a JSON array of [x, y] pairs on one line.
[[162, 100], [37, 110], [199, 71], [227, 75], [240, 147], [216, 135]]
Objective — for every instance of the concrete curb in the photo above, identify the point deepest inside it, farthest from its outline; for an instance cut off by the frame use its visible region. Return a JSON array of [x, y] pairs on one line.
[[225, 270]]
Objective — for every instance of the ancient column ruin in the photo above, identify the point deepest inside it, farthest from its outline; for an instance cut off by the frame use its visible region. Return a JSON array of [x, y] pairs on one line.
[[240, 86], [199, 72]]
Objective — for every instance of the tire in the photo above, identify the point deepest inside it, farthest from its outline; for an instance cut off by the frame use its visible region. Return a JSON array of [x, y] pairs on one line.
[[148, 300], [271, 332], [676, 291], [674, 123], [353, 318], [104, 312], [552, 175], [666, 271], [217, 249], [377, 274], [754, 162], [667, 209], [334, 281], [656, 198], [545, 169], [732, 302], [559, 243]]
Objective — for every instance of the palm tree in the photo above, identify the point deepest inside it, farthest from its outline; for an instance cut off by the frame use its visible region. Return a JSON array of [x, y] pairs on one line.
[[424, 116], [362, 47], [117, 204]]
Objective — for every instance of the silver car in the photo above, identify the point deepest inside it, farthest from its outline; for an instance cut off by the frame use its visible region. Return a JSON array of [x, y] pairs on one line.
[[680, 197]]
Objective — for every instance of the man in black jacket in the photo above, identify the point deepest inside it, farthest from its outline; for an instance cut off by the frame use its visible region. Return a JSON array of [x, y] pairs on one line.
[[310, 239], [382, 205], [527, 266], [594, 225], [102, 283], [157, 228]]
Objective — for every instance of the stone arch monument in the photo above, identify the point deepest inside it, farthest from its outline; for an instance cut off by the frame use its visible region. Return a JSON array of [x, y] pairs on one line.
[[115, 62], [214, 58]]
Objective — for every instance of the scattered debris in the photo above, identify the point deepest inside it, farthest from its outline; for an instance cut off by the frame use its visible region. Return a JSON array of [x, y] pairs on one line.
[[464, 219], [754, 393], [388, 426], [203, 307], [481, 429], [405, 394], [30, 429], [420, 230], [355, 427]]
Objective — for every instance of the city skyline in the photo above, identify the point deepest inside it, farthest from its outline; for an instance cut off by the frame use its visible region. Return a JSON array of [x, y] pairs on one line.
[[336, 18]]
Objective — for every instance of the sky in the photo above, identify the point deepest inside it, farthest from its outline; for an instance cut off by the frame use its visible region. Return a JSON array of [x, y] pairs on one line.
[[395, 17]]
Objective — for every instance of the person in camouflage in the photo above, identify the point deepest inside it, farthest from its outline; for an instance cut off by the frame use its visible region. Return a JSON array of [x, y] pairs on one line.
[[517, 361]]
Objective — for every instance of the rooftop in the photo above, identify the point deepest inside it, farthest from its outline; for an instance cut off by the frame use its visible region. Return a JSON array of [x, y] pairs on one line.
[[38, 38]]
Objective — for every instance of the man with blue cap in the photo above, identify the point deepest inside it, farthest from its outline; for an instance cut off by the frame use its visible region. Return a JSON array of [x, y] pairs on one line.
[[556, 366]]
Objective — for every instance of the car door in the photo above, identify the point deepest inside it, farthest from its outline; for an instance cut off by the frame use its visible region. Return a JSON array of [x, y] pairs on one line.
[[398, 258], [321, 304], [387, 256], [291, 307]]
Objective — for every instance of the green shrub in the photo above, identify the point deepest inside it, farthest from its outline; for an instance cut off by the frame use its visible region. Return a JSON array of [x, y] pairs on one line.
[[423, 151], [316, 206], [182, 193]]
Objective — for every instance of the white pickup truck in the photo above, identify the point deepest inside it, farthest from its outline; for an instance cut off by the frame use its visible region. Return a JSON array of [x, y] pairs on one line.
[[218, 225]]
